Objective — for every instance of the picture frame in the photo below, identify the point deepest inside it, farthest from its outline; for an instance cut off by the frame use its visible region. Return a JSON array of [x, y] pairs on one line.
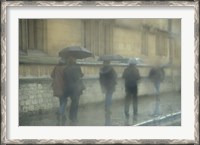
[[6, 81]]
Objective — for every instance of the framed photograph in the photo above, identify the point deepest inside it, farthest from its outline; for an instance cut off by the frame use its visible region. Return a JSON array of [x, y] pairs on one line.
[[96, 72]]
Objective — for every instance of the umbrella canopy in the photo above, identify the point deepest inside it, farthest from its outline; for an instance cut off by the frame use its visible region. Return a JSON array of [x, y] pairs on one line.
[[136, 60], [165, 65], [110, 58], [75, 51]]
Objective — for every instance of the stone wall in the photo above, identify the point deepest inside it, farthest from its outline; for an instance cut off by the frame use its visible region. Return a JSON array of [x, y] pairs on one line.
[[36, 93]]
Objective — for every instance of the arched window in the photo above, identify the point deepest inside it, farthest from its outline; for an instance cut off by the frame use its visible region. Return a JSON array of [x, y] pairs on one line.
[[32, 36], [98, 36]]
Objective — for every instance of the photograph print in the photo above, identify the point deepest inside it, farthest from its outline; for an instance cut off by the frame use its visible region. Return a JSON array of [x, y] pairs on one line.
[[100, 72]]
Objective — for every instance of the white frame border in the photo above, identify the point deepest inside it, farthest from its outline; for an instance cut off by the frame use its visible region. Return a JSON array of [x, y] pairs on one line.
[[94, 4]]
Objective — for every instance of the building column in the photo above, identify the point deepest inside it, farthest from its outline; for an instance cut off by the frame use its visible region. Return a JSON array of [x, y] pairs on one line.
[[23, 35], [171, 51]]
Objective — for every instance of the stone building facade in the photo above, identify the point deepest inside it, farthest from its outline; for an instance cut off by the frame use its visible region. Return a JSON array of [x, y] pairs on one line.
[[40, 40]]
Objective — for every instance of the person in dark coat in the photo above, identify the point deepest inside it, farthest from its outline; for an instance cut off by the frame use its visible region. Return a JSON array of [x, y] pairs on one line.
[[131, 76], [108, 81], [58, 87], [73, 88], [156, 75]]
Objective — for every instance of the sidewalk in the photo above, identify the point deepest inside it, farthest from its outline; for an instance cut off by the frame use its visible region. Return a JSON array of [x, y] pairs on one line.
[[93, 114]]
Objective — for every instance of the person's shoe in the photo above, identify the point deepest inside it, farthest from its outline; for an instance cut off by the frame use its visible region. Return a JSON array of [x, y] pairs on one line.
[[108, 124], [73, 123], [108, 111], [58, 119], [126, 122], [63, 120], [135, 117], [155, 114]]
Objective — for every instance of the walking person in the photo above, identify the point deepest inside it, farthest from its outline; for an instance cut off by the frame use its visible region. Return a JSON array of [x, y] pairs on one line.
[[58, 89], [131, 76], [156, 75], [108, 81], [73, 88]]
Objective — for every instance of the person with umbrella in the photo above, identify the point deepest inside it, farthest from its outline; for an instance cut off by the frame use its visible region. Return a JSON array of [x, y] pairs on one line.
[[58, 89], [108, 81], [73, 87], [156, 75], [73, 84], [131, 76]]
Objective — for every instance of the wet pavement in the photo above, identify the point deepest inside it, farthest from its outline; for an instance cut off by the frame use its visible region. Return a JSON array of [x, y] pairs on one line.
[[93, 114]]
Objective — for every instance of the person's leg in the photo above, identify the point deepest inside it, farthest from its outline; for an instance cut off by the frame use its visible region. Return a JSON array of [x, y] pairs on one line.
[[135, 104], [157, 87], [108, 103], [157, 102], [63, 103], [127, 103], [107, 118], [157, 105], [74, 109], [58, 114], [126, 106]]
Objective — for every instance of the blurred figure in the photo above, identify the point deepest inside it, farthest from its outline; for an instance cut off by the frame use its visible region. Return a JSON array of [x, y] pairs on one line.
[[73, 88], [156, 75], [108, 81], [58, 87], [131, 76]]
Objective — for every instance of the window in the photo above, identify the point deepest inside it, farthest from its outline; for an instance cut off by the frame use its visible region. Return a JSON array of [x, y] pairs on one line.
[[144, 43], [98, 36], [176, 49], [161, 45], [31, 36]]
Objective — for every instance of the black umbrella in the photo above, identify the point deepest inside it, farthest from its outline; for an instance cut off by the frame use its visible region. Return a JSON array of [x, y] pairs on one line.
[[110, 58], [75, 51]]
